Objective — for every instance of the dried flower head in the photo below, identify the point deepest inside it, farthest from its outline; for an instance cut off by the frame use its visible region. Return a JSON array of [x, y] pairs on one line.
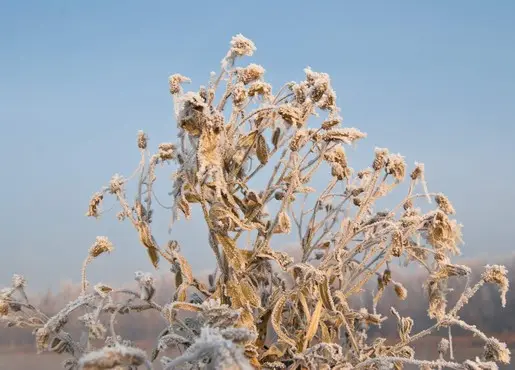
[[497, 274], [242, 46], [116, 184], [146, 284], [401, 292], [396, 166], [94, 204], [260, 88], [381, 155], [101, 245], [496, 351], [443, 233], [166, 151], [443, 346], [4, 308], [340, 172], [444, 204], [18, 281], [251, 73], [290, 115], [175, 81], [418, 172], [260, 308], [239, 94], [397, 243], [300, 139], [337, 155], [142, 140], [331, 122]]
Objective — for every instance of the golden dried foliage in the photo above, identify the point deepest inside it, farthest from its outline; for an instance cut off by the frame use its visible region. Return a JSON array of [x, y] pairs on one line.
[[262, 309]]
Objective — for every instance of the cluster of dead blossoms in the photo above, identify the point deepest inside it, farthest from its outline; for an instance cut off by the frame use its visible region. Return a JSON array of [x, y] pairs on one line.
[[246, 155]]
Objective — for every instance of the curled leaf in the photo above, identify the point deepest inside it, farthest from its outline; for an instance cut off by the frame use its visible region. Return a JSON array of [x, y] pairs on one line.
[[276, 321]]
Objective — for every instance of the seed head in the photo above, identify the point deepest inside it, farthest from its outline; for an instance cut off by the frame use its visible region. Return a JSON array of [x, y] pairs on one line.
[[340, 172], [443, 346], [260, 88], [401, 292], [241, 46], [299, 140], [443, 233], [251, 73], [497, 274], [300, 91], [337, 155], [175, 82], [239, 94], [166, 151], [142, 140], [101, 245], [418, 172], [4, 308], [444, 204], [116, 184], [94, 205], [496, 351], [381, 154], [396, 166], [290, 115], [331, 122], [397, 243]]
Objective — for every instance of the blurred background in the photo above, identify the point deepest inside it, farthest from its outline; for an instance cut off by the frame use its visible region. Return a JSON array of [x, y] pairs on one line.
[[434, 81]]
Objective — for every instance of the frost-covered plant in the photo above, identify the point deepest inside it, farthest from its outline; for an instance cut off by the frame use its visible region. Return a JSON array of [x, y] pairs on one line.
[[246, 155]]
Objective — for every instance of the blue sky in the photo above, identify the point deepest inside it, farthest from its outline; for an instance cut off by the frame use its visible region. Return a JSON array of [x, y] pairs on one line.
[[434, 81]]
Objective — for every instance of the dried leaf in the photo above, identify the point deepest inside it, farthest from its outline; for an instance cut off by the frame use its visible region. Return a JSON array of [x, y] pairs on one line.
[[276, 321], [178, 279], [208, 152], [304, 305], [185, 306], [185, 208], [232, 253], [181, 293], [184, 267], [325, 294], [262, 150], [274, 353], [326, 336], [154, 257], [250, 293], [276, 136], [148, 242], [248, 140], [313, 324]]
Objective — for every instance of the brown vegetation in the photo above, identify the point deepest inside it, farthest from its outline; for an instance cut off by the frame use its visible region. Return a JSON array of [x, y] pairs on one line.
[[248, 157]]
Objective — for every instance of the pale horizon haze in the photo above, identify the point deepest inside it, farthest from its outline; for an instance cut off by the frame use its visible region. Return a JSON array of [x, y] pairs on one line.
[[434, 81]]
